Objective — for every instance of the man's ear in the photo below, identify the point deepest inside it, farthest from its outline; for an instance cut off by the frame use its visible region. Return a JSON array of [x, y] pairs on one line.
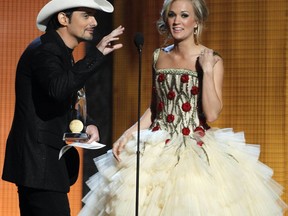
[[63, 19]]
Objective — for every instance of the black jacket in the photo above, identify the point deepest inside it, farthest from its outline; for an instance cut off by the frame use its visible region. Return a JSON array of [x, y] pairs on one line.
[[46, 83]]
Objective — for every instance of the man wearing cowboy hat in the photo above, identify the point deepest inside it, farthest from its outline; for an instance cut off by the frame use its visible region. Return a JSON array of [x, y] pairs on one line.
[[47, 81]]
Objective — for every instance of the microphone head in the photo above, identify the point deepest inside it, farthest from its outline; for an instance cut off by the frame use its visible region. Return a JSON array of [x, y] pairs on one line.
[[139, 40]]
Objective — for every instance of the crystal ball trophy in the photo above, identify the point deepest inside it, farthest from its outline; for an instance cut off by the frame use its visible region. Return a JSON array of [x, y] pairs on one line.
[[77, 125]]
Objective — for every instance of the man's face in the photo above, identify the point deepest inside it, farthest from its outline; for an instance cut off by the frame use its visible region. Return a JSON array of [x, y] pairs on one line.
[[82, 24]]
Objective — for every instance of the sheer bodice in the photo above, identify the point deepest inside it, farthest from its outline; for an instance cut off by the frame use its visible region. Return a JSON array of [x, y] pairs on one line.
[[176, 106]]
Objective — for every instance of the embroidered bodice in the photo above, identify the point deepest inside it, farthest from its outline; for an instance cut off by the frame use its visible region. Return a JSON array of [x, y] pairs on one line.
[[176, 104]]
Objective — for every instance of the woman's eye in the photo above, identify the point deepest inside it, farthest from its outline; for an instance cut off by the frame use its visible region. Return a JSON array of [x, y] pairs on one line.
[[171, 14], [184, 15]]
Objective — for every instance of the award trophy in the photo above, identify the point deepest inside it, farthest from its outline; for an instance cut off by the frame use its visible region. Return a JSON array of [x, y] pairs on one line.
[[77, 125]]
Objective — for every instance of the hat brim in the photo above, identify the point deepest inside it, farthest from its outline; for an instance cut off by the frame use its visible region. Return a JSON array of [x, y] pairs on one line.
[[55, 6]]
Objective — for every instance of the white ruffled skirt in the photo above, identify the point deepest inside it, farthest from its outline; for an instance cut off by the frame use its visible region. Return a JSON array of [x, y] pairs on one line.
[[180, 178]]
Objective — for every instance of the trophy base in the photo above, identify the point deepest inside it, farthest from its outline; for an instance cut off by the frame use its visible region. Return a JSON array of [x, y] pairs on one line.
[[75, 137]]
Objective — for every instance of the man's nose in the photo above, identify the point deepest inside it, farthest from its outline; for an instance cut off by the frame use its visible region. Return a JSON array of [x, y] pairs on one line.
[[94, 22]]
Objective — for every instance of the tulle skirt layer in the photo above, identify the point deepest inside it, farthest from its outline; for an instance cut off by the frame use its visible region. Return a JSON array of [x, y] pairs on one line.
[[183, 176]]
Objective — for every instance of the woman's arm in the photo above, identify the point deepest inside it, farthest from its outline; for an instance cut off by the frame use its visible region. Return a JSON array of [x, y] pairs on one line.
[[145, 123], [213, 71]]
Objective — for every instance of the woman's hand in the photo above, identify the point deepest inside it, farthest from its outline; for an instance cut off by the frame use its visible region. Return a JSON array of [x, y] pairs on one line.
[[207, 60], [106, 45], [118, 147]]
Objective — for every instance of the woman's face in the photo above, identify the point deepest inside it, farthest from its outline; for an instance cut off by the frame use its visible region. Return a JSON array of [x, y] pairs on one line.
[[181, 20]]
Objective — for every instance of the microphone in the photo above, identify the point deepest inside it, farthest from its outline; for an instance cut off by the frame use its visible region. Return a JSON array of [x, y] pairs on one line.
[[139, 41]]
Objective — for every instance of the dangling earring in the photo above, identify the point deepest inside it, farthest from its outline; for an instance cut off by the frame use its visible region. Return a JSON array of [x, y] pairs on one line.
[[195, 34]]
